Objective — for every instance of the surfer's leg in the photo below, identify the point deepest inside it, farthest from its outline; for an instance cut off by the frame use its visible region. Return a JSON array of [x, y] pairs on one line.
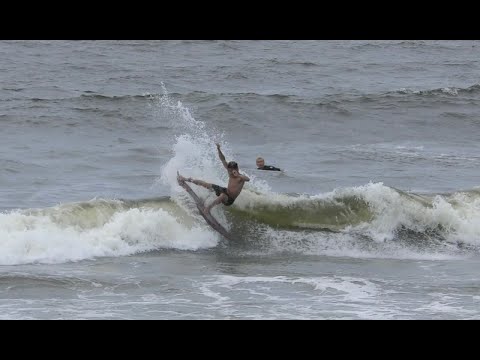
[[220, 199], [200, 183]]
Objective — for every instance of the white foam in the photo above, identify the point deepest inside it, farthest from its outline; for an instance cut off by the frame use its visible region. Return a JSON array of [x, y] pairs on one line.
[[343, 245], [38, 239], [356, 288], [457, 216], [312, 296]]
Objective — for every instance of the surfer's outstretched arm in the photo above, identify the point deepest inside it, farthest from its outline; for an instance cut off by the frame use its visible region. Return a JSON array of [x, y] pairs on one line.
[[221, 156]]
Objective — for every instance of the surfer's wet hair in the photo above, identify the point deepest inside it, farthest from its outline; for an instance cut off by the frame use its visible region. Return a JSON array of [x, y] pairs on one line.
[[232, 165]]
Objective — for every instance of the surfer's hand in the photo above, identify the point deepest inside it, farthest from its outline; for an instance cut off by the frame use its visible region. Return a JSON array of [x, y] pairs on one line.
[[218, 145]]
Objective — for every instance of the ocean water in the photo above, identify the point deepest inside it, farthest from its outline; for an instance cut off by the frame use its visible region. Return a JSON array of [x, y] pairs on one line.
[[375, 214]]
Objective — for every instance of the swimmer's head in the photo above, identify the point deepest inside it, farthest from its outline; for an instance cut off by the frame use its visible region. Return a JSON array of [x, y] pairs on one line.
[[260, 162]]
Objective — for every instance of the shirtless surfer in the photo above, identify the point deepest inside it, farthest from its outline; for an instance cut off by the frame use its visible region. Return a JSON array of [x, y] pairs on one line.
[[225, 195]]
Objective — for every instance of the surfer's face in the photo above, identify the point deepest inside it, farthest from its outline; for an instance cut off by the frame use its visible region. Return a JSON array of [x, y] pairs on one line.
[[260, 162]]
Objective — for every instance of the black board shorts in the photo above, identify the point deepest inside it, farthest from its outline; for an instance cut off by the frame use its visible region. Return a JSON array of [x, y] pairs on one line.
[[218, 190]]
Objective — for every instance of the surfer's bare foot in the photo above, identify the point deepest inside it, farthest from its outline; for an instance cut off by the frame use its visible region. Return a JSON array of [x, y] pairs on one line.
[[180, 177], [206, 209]]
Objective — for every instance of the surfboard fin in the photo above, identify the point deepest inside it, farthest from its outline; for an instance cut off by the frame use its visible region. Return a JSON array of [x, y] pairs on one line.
[[179, 177]]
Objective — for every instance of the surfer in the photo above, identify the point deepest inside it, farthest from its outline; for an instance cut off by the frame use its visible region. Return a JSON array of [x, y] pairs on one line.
[[225, 195], [261, 165]]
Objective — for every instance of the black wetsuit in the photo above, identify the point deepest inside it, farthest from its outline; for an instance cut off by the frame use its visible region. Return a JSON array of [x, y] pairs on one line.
[[269, 167], [219, 189]]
